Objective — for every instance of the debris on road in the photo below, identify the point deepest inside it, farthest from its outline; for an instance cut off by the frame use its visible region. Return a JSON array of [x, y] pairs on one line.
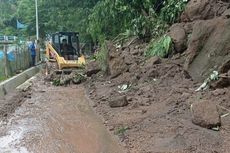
[[205, 114], [120, 101]]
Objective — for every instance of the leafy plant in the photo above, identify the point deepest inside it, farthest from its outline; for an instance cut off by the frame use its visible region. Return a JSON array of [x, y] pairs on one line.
[[160, 47], [172, 9], [122, 130], [56, 82], [79, 78], [101, 57]]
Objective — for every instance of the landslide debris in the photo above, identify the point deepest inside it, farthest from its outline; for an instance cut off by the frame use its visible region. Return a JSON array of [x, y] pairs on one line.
[[203, 35]]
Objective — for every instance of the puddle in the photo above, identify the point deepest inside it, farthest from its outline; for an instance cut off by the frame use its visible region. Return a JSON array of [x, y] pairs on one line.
[[58, 120]]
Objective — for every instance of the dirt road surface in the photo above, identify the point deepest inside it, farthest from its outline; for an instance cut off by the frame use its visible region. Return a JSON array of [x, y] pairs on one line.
[[55, 120]]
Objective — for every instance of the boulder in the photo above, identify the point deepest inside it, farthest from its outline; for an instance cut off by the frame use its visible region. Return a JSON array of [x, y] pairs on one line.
[[205, 114], [178, 35], [117, 66], [208, 47], [116, 62], [92, 68], [120, 101], [203, 10]]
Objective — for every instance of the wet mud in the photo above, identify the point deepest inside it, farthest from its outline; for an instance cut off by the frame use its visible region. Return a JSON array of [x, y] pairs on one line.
[[55, 120]]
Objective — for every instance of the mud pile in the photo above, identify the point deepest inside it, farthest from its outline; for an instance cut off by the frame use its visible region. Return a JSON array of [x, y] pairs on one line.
[[147, 103], [62, 77], [152, 104], [203, 34]]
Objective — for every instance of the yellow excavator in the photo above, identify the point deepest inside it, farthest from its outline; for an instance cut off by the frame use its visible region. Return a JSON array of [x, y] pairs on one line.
[[64, 49]]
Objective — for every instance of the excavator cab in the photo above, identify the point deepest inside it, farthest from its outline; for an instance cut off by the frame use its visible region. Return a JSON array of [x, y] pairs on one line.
[[64, 49], [67, 44]]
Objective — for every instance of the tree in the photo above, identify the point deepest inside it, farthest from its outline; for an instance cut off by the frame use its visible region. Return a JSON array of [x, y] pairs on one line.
[[97, 19]]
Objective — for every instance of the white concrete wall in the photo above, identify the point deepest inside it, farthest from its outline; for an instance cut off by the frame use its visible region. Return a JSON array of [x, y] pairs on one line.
[[10, 85]]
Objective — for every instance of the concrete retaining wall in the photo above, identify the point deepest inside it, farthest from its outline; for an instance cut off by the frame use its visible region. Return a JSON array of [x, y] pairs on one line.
[[11, 84]]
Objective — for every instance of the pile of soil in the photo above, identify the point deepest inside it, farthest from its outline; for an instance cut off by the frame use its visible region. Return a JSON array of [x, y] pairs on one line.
[[154, 113], [63, 77], [203, 34], [152, 104]]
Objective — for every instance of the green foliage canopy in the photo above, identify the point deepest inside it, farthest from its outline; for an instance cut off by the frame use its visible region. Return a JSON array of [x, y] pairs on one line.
[[97, 19]]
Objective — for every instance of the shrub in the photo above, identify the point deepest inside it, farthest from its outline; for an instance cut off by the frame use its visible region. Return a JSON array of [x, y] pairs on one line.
[[172, 9], [160, 47], [101, 57]]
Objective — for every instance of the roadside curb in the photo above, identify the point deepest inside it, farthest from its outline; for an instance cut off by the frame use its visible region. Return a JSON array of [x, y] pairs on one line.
[[12, 83]]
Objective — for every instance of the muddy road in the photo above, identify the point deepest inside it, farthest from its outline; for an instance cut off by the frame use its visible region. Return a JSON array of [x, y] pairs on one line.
[[55, 120]]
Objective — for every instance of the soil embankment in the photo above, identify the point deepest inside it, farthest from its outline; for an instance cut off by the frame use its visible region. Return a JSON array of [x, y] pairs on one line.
[[154, 113], [152, 104]]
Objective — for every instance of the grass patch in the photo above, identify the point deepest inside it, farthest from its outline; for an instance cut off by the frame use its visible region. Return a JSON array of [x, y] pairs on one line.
[[122, 130], [160, 47], [2, 78], [101, 57]]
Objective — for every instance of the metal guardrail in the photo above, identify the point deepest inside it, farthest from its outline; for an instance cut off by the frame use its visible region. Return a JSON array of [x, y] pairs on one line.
[[13, 59], [7, 39]]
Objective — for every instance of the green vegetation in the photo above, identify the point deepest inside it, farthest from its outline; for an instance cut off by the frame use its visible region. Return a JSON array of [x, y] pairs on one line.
[[101, 57], [95, 20], [172, 10], [92, 18], [56, 82], [160, 47], [2, 78], [122, 130]]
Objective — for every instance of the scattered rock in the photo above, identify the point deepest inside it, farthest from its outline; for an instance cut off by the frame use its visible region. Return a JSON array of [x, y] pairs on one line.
[[218, 92], [92, 68], [111, 128], [203, 10], [116, 67], [129, 98], [143, 111], [153, 60], [120, 101], [178, 35], [205, 114], [206, 43]]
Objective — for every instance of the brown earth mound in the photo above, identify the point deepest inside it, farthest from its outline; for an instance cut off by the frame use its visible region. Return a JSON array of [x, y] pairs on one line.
[[204, 35], [160, 92]]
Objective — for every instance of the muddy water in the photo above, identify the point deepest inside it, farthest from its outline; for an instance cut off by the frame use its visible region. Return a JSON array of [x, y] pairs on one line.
[[56, 120]]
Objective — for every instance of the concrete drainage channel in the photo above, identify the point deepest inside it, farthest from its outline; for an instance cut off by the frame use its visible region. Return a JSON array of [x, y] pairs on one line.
[[11, 84]]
